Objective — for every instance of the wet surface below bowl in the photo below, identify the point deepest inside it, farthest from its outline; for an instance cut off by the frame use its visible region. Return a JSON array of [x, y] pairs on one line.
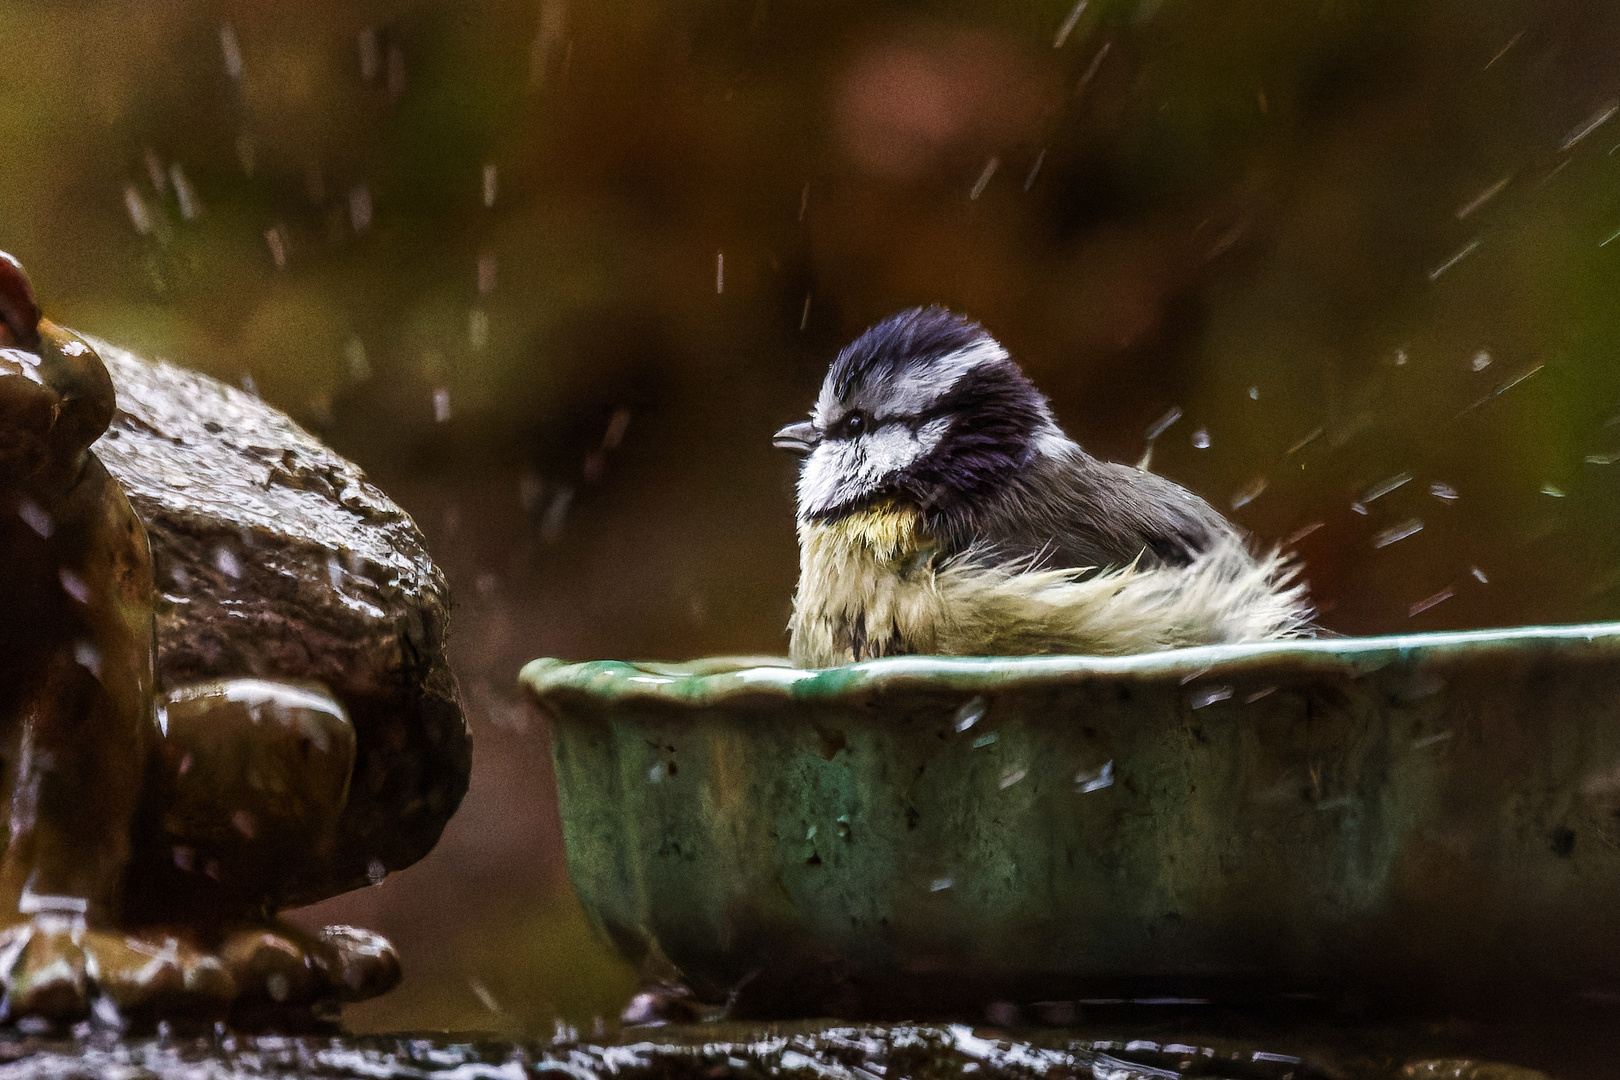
[[1168, 1050]]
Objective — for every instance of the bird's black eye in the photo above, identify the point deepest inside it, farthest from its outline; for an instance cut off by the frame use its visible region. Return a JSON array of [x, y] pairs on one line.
[[853, 425]]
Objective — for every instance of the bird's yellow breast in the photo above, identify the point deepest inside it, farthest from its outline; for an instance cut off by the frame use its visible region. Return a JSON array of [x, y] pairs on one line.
[[866, 587]]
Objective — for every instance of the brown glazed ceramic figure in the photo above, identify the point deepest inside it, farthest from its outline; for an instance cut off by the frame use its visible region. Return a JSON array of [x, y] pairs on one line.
[[148, 837]]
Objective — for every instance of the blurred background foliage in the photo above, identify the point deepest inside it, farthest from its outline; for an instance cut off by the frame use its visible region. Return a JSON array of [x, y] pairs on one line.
[[554, 270]]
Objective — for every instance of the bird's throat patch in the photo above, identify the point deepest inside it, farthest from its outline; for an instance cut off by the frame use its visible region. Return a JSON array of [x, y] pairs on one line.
[[886, 532]]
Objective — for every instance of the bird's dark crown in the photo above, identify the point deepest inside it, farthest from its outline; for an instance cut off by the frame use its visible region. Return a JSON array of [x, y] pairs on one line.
[[909, 339], [972, 415]]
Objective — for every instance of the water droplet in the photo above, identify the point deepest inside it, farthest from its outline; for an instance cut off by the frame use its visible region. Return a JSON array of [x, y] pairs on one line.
[[74, 585], [1554, 491], [232, 48], [376, 872], [360, 207], [225, 562], [36, 517], [940, 884], [1163, 423], [1067, 28], [183, 193], [1095, 779], [354, 360], [477, 329], [1442, 491], [277, 245], [1397, 532], [87, 656], [1481, 360], [970, 713], [1200, 439], [370, 55], [139, 215], [989, 170], [1384, 487], [719, 272], [396, 72], [1209, 695], [1249, 494], [1009, 777], [488, 268], [1479, 575], [987, 739], [1424, 605], [441, 405]]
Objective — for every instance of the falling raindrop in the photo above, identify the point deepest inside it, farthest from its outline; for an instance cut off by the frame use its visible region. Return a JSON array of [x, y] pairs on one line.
[[183, 193], [1441, 491], [36, 517], [488, 268], [1249, 494], [1035, 169], [719, 272], [139, 215], [376, 872], [1163, 423], [1068, 24], [940, 884], [87, 656], [1009, 777], [1209, 695], [989, 170], [232, 49], [971, 712], [491, 184], [396, 72], [1200, 439], [74, 585], [1424, 605], [1479, 575], [360, 207], [1397, 532], [225, 562], [154, 170], [1384, 487], [1553, 490], [1481, 360], [278, 246], [354, 360], [441, 405], [370, 56], [1091, 780], [477, 329]]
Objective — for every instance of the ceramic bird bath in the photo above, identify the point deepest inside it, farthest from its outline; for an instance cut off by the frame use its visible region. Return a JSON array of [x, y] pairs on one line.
[[1424, 818]]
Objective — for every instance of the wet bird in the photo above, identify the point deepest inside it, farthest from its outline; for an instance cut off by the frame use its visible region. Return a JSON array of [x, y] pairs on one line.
[[942, 510]]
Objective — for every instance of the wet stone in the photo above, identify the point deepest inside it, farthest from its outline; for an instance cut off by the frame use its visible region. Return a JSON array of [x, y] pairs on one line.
[[722, 1052], [274, 557]]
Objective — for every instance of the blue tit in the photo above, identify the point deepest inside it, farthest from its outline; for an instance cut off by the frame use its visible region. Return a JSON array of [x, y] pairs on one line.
[[942, 510]]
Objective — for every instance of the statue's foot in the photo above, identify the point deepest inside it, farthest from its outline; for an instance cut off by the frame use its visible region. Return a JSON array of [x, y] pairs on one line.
[[55, 968]]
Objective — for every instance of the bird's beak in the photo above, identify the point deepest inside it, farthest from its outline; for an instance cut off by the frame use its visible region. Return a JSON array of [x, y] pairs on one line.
[[800, 438]]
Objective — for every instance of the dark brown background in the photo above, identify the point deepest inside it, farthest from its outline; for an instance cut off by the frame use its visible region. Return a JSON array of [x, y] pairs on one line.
[[1250, 211]]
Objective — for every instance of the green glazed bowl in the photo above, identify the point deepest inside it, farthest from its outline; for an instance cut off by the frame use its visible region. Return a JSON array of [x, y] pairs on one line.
[[1421, 817]]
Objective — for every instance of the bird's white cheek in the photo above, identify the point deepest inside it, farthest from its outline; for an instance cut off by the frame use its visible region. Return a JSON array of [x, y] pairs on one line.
[[822, 475], [845, 471]]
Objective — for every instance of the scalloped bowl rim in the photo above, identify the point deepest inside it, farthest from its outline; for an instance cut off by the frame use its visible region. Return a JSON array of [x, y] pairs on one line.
[[711, 681]]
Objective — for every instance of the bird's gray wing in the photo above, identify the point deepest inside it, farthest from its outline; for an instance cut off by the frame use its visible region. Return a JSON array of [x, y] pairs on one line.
[[1076, 511]]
